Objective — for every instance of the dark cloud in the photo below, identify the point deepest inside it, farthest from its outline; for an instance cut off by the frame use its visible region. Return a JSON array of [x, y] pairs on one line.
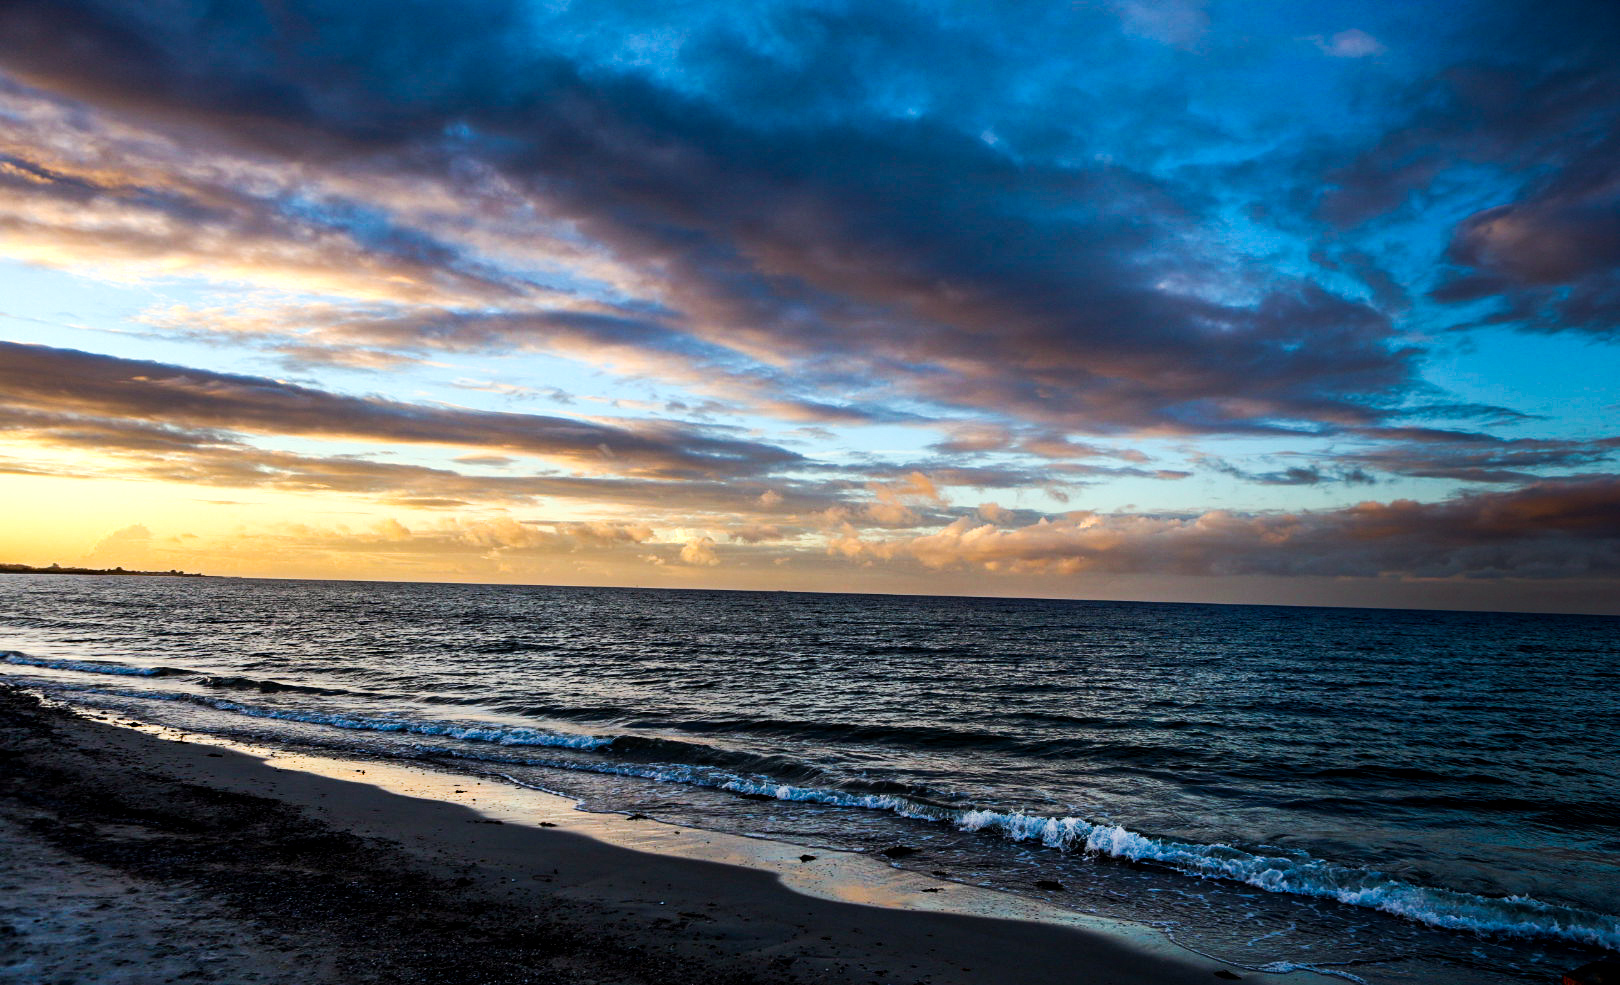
[[120, 205], [124, 454], [983, 438], [1290, 475], [1564, 529], [79, 431], [172, 423], [1475, 457], [862, 248], [38, 379], [375, 336], [1547, 264], [1528, 111]]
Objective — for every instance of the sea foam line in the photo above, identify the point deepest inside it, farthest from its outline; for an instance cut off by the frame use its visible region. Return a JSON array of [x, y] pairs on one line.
[[1514, 916]]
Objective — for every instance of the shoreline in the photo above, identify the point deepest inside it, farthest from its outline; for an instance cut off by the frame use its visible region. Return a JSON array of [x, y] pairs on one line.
[[387, 872]]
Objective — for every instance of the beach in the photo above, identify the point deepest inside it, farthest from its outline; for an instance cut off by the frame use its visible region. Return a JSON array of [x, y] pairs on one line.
[[1260, 790], [133, 857]]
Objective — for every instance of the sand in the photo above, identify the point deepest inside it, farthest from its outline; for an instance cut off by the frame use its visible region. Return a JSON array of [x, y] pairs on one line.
[[130, 855], [72, 921]]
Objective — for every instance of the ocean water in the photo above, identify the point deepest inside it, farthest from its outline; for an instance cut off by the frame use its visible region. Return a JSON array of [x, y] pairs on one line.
[[1387, 796]]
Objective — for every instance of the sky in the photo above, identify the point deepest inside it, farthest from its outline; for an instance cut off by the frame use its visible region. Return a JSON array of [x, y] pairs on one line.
[[1298, 303]]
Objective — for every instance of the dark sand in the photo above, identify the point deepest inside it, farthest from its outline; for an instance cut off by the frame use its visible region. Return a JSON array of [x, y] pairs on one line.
[[128, 858]]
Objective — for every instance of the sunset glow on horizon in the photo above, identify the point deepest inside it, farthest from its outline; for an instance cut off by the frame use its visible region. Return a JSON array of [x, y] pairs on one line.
[[1201, 301]]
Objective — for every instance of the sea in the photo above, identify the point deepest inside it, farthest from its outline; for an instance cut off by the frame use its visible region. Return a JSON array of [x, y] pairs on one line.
[[1386, 796]]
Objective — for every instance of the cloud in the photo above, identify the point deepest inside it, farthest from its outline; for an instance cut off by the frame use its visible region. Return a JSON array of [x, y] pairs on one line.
[[699, 552], [980, 437], [756, 533], [628, 343], [509, 534], [35, 378], [129, 542], [1057, 248], [128, 448], [819, 256], [1549, 263], [1353, 43], [1467, 456], [244, 466], [1548, 530], [1525, 117], [1290, 475], [467, 545], [1177, 22]]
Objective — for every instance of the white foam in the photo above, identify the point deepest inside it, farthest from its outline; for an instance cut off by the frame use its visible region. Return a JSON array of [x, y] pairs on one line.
[[1284, 967]]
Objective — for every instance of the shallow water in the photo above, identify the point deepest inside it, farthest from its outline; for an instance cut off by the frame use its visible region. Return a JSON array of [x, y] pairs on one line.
[[1391, 796]]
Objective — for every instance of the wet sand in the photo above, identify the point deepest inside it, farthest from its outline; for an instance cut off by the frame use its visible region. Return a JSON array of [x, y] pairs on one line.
[[129, 856]]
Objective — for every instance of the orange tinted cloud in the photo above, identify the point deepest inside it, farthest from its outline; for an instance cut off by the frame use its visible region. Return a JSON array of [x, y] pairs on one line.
[[1549, 530]]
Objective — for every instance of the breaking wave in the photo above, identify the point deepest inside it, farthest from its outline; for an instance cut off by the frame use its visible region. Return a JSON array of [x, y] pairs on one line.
[[87, 666], [470, 732], [1515, 916]]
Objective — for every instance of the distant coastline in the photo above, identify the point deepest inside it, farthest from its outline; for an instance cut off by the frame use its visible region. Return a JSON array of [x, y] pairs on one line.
[[57, 569]]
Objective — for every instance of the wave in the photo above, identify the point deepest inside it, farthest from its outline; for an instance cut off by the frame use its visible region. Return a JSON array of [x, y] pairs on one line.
[[909, 737], [1512, 916], [1361, 773], [513, 646], [469, 731], [904, 736], [264, 686], [36, 622], [87, 666], [221, 681]]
